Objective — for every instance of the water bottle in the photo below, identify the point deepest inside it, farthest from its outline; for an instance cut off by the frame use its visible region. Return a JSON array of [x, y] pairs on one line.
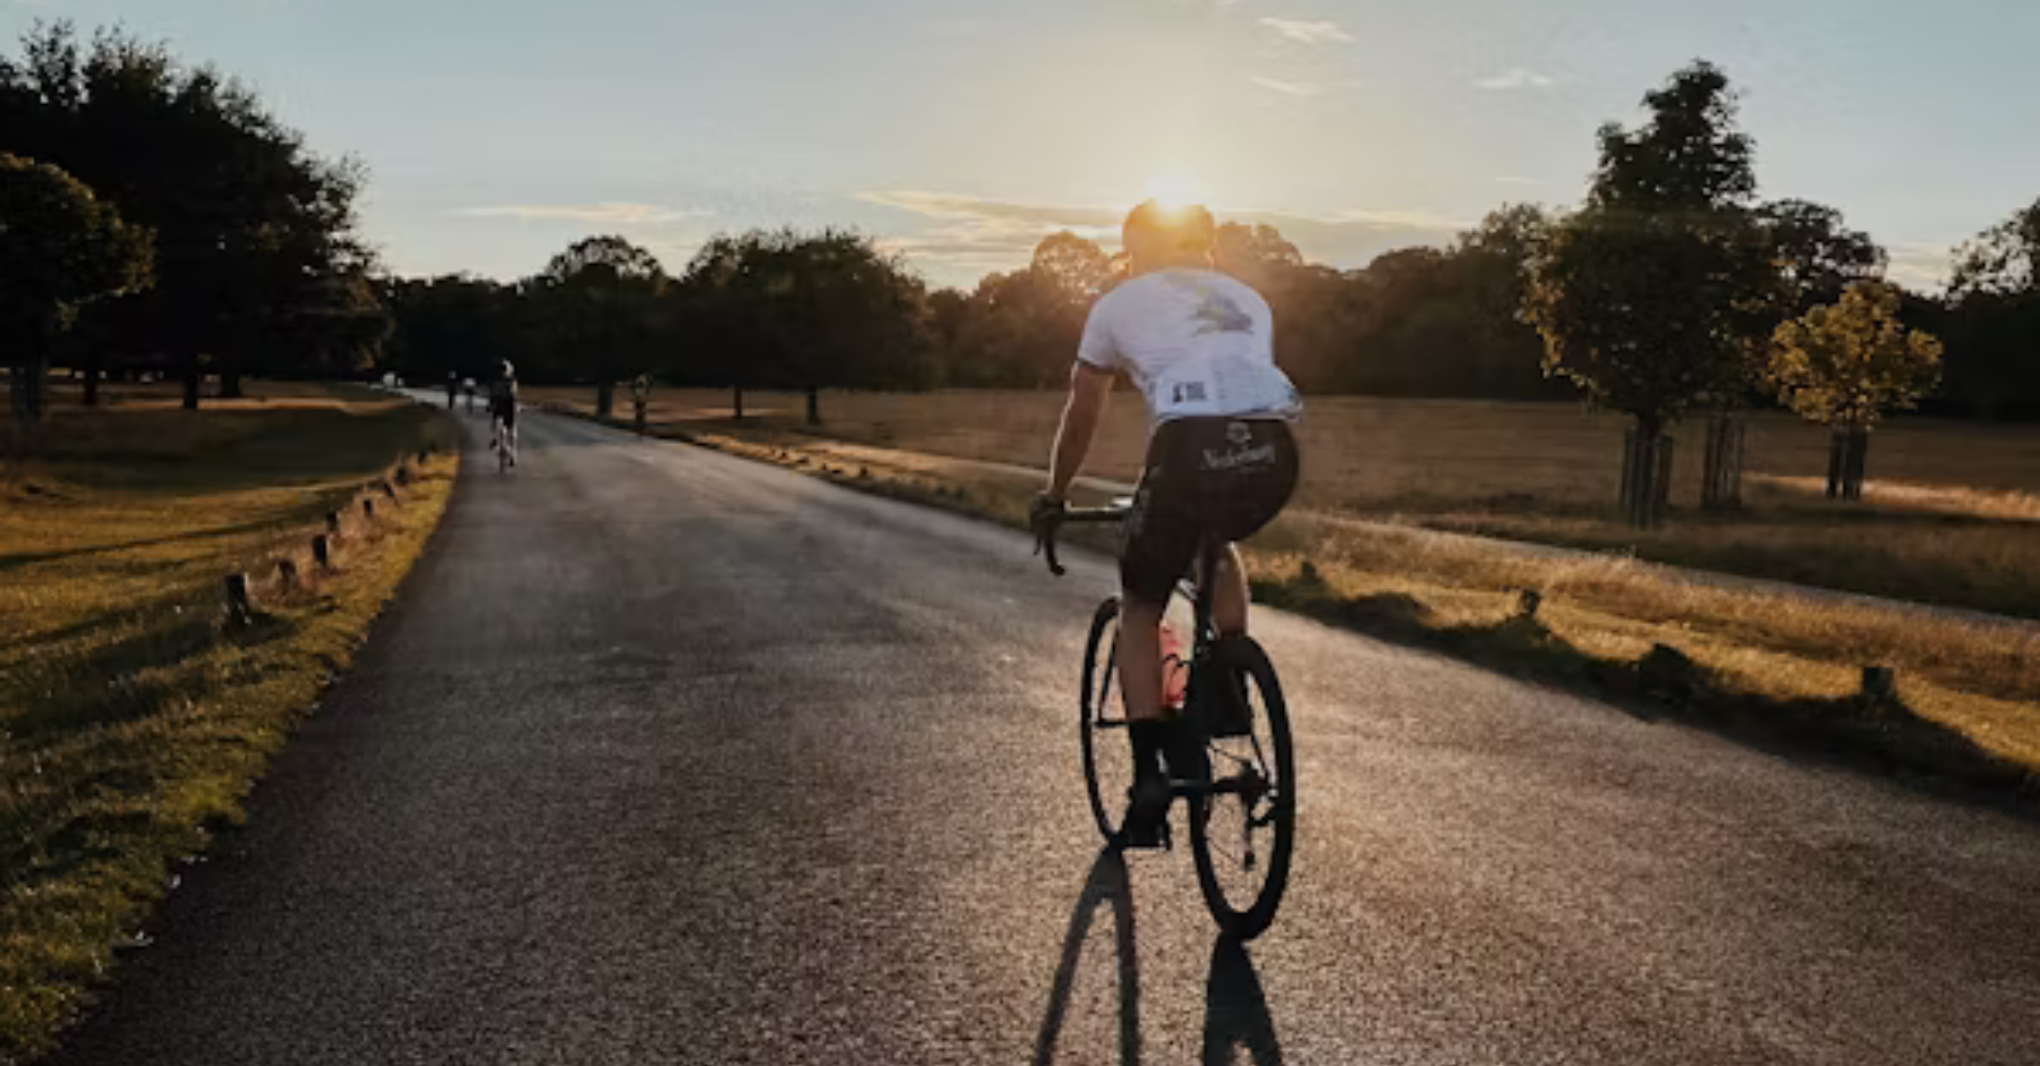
[[1175, 670]]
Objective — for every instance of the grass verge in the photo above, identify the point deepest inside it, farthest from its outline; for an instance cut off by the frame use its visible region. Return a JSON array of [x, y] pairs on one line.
[[133, 713], [1776, 669]]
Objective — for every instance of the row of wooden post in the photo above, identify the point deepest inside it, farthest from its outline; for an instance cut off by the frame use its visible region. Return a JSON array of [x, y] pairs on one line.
[[239, 603]]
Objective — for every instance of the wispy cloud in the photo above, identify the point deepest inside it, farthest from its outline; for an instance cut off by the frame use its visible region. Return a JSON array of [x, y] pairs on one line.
[[606, 214], [1515, 78], [1308, 32], [1288, 88], [981, 235], [1919, 266], [974, 234]]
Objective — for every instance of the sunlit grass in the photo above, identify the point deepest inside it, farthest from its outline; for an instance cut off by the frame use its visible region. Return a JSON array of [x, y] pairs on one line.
[[130, 716]]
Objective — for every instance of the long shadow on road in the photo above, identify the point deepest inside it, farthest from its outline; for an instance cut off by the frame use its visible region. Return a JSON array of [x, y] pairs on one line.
[[1235, 1008]]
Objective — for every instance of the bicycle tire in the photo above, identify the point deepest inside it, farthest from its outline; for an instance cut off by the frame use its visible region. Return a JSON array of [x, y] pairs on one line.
[[1094, 737], [1240, 654]]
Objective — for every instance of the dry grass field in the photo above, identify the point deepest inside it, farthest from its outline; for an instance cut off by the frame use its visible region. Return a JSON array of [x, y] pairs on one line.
[[130, 714], [1952, 514]]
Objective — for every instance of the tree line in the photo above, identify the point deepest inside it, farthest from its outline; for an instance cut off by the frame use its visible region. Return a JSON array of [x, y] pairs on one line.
[[158, 217]]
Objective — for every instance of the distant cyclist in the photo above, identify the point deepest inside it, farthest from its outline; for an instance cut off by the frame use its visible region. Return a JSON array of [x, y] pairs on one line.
[[503, 414], [1221, 461]]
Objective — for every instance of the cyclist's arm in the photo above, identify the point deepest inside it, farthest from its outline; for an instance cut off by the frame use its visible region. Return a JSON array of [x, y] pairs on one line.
[[1089, 386]]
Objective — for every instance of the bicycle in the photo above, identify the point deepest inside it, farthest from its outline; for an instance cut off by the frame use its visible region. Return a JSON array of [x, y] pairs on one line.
[[1248, 768], [503, 441]]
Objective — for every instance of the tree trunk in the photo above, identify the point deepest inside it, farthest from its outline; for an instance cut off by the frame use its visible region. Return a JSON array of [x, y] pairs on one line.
[[605, 398], [194, 377], [737, 402], [21, 388], [1721, 481], [1646, 475], [230, 384], [1859, 452], [91, 397], [814, 406]]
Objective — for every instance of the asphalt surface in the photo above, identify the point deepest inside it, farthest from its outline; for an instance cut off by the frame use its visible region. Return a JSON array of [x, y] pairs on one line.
[[667, 757]]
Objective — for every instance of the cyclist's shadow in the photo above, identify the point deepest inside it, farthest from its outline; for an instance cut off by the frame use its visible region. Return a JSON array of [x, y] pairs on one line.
[[1235, 1009]]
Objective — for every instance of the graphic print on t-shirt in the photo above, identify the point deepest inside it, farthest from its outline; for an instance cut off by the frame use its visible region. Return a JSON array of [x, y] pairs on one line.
[[1216, 310]]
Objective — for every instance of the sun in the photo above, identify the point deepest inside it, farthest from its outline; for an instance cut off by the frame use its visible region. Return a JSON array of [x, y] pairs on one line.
[[1174, 190]]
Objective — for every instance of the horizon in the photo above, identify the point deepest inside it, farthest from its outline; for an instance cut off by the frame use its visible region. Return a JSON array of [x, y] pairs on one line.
[[959, 139]]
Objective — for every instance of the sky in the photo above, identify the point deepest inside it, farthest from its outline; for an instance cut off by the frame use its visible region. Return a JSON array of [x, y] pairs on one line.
[[959, 133]]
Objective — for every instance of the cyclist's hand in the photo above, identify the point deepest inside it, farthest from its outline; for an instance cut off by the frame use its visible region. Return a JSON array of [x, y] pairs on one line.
[[1043, 514]]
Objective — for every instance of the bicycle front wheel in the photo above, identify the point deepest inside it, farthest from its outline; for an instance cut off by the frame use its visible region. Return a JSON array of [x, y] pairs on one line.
[[1101, 723], [1243, 830]]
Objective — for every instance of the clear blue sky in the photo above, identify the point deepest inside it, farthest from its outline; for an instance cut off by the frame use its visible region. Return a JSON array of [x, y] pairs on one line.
[[497, 132]]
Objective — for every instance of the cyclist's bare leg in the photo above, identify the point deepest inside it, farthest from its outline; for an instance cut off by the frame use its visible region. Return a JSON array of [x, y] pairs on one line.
[[1229, 594], [1140, 657]]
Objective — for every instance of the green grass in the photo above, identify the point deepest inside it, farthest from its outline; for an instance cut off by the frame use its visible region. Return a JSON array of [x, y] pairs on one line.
[[131, 716]]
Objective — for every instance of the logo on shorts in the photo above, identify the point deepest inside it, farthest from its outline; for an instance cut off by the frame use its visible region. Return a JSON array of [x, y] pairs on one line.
[[1239, 433], [1239, 457]]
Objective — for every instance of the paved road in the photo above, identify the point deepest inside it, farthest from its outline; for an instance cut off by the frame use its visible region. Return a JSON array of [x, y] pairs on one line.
[[666, 757]]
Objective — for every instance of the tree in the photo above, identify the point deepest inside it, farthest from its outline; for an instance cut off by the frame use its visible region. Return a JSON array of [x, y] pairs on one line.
[[252, 229], [807, 311], [60, 247], [2003, 260], [1845, 365], [1993, 320], [1651, 298], [601, 292], [1816, 254]]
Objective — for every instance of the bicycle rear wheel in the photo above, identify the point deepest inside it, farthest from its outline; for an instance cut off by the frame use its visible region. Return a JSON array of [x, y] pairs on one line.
[[1243, 831], [1101, 723]]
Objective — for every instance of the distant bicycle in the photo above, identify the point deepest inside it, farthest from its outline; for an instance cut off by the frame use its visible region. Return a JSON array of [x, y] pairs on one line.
[[503, 437], [1241, 800]]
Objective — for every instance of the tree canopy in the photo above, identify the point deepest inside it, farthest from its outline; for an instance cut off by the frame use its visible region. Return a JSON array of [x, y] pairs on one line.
[[255, 233], [60, 247], [1849, 362]]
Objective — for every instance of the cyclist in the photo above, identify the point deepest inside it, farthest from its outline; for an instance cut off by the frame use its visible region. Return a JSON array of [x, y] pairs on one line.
[[503, 413], [1221, 460]]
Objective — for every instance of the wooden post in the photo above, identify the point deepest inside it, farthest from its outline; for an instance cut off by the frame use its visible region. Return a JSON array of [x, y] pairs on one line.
[[1527, 602], [368, 509], [286, 572], [238, 609], [1880, 685], [322, 552]]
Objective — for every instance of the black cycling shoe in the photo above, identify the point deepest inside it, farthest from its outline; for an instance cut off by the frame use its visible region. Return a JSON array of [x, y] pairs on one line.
[[1147, 813]]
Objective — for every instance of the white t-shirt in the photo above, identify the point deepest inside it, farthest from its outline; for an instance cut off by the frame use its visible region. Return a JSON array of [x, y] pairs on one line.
[[1195, 342]]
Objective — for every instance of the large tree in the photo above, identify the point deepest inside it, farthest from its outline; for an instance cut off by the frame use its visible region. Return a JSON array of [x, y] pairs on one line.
[[253, 230], [600, 294], [1993, 321], [60, 247], [1844, 365], [1652, 297]]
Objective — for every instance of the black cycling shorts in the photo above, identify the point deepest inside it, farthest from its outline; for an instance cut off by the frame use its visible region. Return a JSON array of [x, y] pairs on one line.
[[1206, 478], [506, 410]]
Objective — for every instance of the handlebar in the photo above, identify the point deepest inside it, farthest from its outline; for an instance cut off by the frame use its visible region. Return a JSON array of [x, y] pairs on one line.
[[1045, 529]]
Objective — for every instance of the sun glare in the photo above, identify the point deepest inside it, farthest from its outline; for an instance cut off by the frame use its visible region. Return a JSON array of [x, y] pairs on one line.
[[1175, 190]]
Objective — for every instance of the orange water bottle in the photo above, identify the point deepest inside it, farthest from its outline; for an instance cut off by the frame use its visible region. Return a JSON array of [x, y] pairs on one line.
[[1175, 670]]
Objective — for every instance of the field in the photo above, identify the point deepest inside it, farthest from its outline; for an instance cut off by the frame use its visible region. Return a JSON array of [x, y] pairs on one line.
[[132, 715], [1755, 660], [1951, 515]]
